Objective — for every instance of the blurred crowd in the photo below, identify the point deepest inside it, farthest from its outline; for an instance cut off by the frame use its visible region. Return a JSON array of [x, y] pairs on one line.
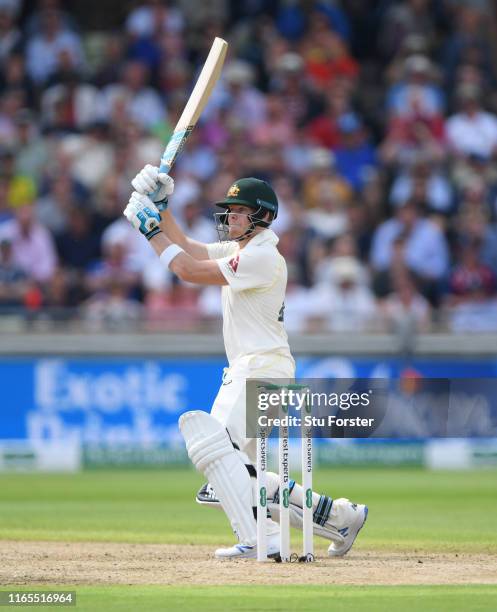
[[376, 123]]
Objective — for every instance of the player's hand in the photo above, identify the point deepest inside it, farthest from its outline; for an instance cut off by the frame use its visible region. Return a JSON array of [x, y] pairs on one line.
[[157, 185], [143, 215]]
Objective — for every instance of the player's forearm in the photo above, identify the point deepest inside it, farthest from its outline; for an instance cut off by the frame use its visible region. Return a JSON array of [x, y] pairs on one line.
[[186, 267], [194, 271], [173, 231]]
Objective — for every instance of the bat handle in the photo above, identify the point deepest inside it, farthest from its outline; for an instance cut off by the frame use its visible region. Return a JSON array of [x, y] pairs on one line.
[[162, 168]]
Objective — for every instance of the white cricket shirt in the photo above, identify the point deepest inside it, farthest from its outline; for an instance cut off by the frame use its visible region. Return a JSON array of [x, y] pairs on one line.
[[253, 299]]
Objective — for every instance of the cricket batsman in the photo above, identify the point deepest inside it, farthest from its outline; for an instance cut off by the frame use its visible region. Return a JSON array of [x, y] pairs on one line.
[[253, 275]]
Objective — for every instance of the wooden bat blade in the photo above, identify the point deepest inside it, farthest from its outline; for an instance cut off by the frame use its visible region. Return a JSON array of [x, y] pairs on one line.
[[196, 103]]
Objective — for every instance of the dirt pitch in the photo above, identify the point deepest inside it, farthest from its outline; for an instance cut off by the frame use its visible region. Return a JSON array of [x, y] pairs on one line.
[[27, 563]]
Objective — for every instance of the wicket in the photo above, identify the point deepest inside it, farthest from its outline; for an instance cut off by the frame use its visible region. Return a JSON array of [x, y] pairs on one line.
[[284, 482]]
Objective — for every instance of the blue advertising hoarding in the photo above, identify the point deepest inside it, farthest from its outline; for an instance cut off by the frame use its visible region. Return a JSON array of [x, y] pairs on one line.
[[138, 401]]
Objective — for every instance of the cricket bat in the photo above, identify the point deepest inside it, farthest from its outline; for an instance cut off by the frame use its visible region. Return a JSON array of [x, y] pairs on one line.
[[196, 103]]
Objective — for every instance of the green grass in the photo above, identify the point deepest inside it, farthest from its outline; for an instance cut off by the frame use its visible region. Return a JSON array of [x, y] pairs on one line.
[[477, 598], [409, 508]]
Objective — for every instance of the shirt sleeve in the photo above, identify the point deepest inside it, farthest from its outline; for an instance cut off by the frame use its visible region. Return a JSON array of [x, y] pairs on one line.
[[217, 250], [249, 270]]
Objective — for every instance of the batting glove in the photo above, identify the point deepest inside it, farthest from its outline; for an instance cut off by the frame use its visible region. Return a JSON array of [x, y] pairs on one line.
[[143, 215], [158, 186]]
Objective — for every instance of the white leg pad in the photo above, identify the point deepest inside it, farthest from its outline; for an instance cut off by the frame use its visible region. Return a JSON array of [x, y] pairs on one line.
[[211, 452]]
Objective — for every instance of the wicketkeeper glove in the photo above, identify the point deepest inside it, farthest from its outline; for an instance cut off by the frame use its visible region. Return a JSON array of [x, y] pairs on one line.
[[158, 186], [143, 215]]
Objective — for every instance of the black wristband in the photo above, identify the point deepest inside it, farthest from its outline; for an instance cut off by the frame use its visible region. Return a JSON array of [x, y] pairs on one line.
[[152, 233]]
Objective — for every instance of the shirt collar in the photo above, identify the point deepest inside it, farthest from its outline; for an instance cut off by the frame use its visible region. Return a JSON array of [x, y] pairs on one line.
[[267, 235]]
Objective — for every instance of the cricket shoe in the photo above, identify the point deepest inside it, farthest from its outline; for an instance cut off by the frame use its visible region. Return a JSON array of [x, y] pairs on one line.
[[207, 496], [245, 551], [348, 520]]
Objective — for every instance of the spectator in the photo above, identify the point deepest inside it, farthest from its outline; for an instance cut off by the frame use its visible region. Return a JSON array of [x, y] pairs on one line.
[[413, 44], [359, 219], [13, 279], [337, 18], [417, 93], [5, 208], [217, 131], [12, 5], [343, 247], [14, 77], [112, 308], [210, 304], [154, 17], [116, 274], [109, 67], [326, 55], [415, 241], [136, 147], [195, 224], [69, 105], [291, 82], [474, 177], [134, 259], [355, 157], [20, 188], [11, 102], [175, 77], [469, 42], [471, 280], [47, 45], [472, 226], [33, 249], [54, 207], [91, 155], [34, 23], [416, 124], [404, 19], [472, 131], [475, 196], [290, 20], [188, 189], [132, 98], [78, 245], [175, 309], [409, 139], [345, 304], [288, 206], [473, 291], [323, 129], [298, 309], [60, 296], [199, 161], [328, 219], [424, 182], [32, 150], [276, 129], [108, 200], [322, 181], [247, 106], [10, 36], [405, 309]]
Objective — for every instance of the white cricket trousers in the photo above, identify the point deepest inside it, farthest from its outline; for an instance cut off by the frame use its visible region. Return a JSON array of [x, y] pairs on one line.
[[229, 407]]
